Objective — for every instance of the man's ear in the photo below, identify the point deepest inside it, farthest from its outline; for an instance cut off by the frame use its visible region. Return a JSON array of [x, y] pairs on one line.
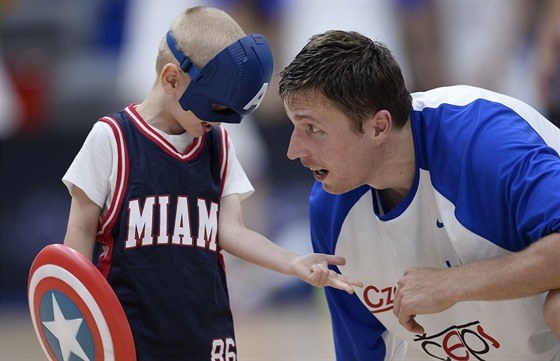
[[169, 78], [379, 125]]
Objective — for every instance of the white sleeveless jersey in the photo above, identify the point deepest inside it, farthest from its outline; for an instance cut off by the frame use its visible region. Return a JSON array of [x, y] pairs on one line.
[[487, 185]]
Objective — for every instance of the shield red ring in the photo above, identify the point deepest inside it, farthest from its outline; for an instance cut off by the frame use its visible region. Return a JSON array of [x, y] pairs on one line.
[[74, 310]]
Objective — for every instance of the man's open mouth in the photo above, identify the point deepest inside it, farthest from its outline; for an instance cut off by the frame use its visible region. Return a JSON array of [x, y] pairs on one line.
[[320, 174]]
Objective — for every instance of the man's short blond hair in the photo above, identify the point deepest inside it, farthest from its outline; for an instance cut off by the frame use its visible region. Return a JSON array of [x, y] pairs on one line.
[[200, 32]]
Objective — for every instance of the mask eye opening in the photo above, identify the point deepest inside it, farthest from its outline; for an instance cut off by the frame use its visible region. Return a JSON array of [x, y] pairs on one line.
[[222, 109]]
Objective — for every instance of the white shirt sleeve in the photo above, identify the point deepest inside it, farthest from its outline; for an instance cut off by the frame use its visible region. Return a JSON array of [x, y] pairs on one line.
[[94, 167], [236, 179]]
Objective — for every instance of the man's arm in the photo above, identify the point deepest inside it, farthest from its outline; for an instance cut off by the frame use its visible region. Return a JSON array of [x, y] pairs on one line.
[[83, 222], [430, 290], [552, 311], [253, 247]]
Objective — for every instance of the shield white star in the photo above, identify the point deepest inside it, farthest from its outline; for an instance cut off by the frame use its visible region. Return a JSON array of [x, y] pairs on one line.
[[66, 331]]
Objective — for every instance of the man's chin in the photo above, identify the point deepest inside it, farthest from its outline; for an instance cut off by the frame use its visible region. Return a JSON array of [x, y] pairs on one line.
[[333, 190]]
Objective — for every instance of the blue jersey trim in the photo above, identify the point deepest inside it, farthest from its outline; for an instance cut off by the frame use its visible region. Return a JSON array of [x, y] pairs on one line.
[[327, 212], [357, 334]]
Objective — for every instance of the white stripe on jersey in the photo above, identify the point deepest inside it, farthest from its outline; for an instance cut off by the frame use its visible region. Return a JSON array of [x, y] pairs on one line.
[[121, 180], [464, 94]]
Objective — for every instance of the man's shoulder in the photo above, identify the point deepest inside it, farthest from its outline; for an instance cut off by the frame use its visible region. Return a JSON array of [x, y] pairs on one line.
[[459, 95]]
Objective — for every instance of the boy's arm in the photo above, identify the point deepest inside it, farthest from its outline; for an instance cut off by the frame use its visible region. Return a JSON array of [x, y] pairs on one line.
[[253, 247], [82, 223]]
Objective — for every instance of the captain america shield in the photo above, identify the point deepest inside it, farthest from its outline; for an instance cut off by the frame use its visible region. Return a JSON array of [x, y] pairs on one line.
[[75, 313]]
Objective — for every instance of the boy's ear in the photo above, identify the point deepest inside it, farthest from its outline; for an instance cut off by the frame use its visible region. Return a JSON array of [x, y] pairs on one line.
[[169, 78]]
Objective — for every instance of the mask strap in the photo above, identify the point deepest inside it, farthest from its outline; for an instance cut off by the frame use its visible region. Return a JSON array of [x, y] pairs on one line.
[[186, 64]]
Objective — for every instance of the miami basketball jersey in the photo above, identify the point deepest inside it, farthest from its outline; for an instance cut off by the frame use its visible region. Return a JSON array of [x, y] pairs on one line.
[[470, 200], [159, 246]]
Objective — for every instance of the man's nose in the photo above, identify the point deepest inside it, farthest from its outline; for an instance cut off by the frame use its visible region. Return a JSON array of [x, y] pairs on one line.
[[295, 148]]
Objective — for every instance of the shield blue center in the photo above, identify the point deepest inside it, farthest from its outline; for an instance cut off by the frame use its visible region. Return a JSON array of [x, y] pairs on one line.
[[54, 301]]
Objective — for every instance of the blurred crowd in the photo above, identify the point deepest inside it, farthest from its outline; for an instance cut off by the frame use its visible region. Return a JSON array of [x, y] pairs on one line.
[[65, 63]]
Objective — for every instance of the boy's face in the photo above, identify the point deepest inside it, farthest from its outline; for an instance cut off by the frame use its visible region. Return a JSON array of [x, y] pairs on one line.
[[193, 125], [187, 120], [206, 126]]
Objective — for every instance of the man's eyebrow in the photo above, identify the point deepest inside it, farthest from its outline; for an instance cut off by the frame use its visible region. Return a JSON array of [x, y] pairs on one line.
[[304, 116], [300, 116]]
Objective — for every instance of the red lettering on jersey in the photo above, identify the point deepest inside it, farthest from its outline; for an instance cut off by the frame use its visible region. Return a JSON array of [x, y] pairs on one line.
[[379, 300]]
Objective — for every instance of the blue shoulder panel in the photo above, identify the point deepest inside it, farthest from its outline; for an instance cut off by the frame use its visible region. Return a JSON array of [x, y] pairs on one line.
[[503, 179], [357, 335]]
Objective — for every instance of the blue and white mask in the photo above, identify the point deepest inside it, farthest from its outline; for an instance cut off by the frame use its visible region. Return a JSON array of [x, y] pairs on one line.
[[237, 78]]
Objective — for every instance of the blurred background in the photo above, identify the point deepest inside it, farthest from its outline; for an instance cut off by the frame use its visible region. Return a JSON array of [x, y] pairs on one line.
[[66, 63]]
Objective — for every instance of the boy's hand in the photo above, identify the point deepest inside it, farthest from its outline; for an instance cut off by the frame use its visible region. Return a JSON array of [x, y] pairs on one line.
[[313, 269]]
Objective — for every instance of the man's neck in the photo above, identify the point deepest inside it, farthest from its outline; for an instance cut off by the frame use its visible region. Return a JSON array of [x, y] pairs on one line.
[[400, 167]]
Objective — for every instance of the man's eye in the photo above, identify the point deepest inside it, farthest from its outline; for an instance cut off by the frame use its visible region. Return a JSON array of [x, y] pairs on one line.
[[314, 129]]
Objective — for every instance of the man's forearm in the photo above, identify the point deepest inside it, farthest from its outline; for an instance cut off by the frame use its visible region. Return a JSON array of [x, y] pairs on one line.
[[526, 273]]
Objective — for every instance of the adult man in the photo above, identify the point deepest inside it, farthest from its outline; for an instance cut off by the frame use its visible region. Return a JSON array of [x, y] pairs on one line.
[[446, 204]]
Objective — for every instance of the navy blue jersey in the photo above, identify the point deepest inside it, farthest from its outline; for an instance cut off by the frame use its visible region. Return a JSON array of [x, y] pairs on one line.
[[159, 243]]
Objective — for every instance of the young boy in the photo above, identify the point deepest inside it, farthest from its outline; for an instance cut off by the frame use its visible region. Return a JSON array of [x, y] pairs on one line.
[[158, 186]]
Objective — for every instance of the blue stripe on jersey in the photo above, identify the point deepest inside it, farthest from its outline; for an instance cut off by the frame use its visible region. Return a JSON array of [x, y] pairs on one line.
[[337, 209], [355, 329], [481, 167]]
